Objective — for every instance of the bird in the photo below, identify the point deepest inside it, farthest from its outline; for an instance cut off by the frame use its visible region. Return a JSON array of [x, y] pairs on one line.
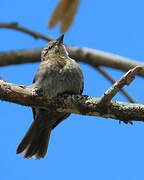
[[57, 74]]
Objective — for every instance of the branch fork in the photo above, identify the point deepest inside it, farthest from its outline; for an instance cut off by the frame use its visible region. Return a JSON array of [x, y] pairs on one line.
[[125, 80]]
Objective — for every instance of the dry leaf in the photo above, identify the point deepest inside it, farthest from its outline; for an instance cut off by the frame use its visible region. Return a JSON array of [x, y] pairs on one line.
[[64, 14]]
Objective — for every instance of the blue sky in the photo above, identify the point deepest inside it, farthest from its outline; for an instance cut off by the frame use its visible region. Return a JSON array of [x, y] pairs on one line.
[[81, 147]]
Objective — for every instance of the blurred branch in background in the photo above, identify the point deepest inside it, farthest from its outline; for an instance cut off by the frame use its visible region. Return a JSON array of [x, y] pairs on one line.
[[92, 57], [15, 26]]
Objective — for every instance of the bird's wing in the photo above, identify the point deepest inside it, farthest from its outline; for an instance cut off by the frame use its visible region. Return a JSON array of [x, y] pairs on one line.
[[66, 114]]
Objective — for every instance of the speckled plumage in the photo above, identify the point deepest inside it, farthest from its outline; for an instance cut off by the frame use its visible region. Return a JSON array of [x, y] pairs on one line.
[[56, 75]]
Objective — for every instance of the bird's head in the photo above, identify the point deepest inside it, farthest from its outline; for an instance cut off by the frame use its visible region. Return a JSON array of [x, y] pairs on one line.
[[54, 49]]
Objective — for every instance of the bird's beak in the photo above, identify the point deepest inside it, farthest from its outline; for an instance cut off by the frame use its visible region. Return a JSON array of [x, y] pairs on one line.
[[60, 39]]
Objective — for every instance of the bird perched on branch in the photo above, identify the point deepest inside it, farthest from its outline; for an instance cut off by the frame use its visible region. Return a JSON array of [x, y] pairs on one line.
[[57, 74]]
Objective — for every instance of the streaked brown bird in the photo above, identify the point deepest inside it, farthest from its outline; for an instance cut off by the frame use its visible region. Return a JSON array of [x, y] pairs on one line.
[[57, 74]]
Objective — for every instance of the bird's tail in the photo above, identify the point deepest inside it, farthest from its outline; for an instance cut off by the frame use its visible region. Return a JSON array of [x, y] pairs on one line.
[[35, 142]]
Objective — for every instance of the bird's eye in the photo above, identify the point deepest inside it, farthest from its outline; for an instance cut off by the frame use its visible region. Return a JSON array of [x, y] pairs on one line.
[[50, 47]]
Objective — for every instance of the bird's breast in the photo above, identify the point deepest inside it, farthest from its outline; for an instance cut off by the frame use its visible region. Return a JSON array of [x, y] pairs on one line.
[[60, 77]]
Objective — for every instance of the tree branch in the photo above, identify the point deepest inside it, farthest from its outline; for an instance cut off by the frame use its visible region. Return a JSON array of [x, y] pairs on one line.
[[85, 55], [107, 76], [125, 80], [16, 27], [71, 103], [20, 57], [99, 58], [89, 56], [15, 57]]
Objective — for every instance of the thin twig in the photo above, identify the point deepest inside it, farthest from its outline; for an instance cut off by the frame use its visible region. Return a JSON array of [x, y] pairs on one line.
[[106, 75], [125, 80], [16, 27]]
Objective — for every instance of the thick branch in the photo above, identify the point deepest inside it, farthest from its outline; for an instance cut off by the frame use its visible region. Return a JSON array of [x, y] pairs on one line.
[[99, 58], [85, 55], [20, 57], [71, 103]]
